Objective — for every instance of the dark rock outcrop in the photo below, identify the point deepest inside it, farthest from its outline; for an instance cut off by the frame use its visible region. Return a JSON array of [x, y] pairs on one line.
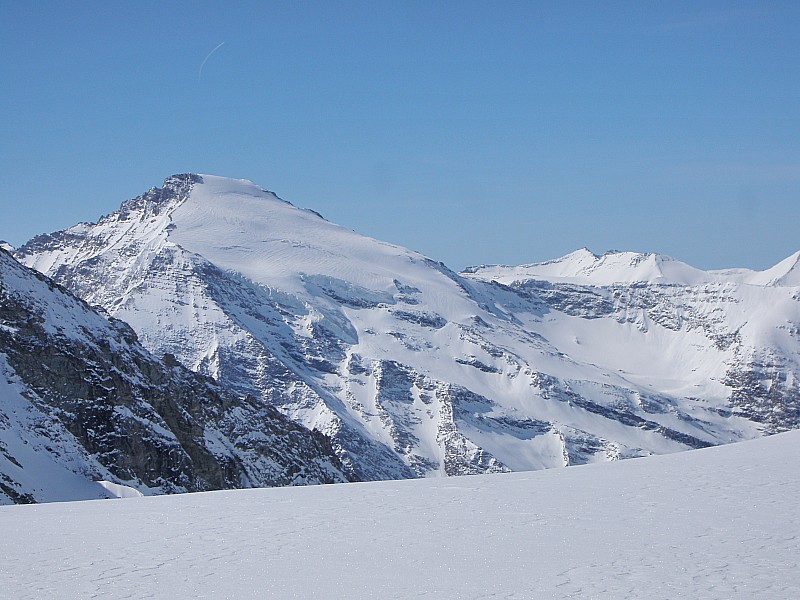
[[152, 424]]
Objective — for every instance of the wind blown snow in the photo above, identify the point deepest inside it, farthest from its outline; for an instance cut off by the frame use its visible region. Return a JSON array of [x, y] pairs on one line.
[[715, 523]]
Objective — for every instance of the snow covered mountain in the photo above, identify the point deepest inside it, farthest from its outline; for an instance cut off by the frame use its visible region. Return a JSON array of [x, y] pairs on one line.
[[725, 339], [414, 370], [82, 402]]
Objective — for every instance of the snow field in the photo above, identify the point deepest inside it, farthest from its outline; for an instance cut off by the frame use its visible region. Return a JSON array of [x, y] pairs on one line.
[[715, 523]]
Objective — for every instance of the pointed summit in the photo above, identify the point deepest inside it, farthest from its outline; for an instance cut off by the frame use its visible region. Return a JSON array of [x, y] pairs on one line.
[[784, 274]]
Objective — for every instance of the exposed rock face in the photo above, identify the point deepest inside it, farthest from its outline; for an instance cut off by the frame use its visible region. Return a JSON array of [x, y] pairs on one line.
[[101, 407], [760, 375], [414, 370]]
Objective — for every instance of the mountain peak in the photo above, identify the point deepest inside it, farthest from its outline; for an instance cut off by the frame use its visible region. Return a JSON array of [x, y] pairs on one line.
[[182, 179], [784, 274], [614, 266]]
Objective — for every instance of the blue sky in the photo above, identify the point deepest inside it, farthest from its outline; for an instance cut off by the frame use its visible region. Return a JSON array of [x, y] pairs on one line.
[[474, 132]]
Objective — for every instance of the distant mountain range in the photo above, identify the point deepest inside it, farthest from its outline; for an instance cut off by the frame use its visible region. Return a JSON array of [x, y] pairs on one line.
[[413, 370]]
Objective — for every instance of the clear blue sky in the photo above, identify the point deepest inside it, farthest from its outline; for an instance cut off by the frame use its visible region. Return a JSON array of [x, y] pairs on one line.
[[474, 132]]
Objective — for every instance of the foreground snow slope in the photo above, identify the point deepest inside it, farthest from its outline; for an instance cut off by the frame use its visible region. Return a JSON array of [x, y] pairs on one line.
[[714, 523]]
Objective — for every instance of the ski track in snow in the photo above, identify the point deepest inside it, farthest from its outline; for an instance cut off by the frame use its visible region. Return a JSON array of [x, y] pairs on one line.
[[715, 523]]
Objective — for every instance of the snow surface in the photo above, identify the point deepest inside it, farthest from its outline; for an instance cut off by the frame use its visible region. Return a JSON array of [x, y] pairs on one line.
[[120, 491], [715, 523]]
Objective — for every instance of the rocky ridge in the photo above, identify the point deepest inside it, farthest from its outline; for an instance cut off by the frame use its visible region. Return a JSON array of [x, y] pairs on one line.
[[83, 401]]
